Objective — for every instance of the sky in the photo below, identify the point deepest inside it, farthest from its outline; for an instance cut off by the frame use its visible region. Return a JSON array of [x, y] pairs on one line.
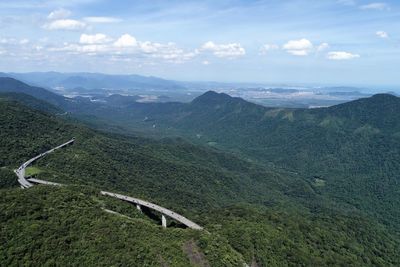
[[340, 42]]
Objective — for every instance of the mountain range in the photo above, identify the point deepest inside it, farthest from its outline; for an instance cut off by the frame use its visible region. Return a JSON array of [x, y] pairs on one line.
[[93, 80], [272, 186]]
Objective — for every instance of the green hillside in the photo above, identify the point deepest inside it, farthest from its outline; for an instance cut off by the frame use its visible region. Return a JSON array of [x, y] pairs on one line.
[[46, 226], [143, 167], [32, 102], [348, 153], [253, 213], [10, 85]]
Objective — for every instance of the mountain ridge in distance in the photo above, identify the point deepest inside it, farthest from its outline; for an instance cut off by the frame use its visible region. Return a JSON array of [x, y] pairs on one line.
[[11, 85], [266, 233], [94, 80]]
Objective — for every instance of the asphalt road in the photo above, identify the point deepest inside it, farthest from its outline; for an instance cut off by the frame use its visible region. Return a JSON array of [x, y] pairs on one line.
[[29, 182], [20, 172]]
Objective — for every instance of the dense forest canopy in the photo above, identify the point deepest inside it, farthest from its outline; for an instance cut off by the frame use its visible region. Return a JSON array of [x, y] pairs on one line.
[[270, 186]]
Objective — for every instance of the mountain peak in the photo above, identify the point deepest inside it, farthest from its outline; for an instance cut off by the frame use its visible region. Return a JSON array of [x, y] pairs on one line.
[[212, 97], [384, 96]]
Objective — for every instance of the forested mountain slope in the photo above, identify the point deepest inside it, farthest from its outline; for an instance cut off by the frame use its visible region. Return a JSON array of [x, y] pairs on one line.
[[349, 152], [253, 213], [47, 226], [14, 86], [138, 165]]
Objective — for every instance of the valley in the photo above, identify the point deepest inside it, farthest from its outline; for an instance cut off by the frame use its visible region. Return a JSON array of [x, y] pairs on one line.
[[296, 173], [234, 133]]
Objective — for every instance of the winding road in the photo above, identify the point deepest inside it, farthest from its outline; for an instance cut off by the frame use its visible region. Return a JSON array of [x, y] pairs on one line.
[[163, 211], [20, 172], [29, 182]]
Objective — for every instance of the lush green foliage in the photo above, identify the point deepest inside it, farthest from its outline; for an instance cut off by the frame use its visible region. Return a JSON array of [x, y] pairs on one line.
[[46, 226], [31, 102], [352, 149], [295, 218], [201, 177], [279, 238], [7, 178], [10, 85]]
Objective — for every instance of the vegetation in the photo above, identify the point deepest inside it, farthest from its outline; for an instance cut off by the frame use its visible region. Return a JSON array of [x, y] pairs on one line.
[[287, 238], [67, 227], [291, 195], [7, 178], [353, 147], [32, 170]]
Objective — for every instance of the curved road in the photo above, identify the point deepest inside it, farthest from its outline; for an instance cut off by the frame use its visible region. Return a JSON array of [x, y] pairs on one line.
[[20, 172], [26, 183], [155, 207]]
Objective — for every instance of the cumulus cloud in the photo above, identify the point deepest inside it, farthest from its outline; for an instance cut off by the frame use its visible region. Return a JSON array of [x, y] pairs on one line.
[[126, 40], [14, 41], [101, 19], [301, 47], [232, 50], [341, 55], [24, 41], [382, 34], [346, 2], [205, 62], [322, 47], [60, 13], [91, 49], [268, 47], [375, 6], [97, 38], [125, 47], [8, 41], [65, 24], [149, 47], [174, 54]]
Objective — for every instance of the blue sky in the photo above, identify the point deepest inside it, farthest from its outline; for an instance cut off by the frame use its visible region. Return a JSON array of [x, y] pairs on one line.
[[349, 42]]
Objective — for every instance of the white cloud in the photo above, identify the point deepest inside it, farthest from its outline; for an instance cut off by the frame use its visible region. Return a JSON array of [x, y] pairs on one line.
[[322, 47], [14, 41], [126, 40], [375, 6], [346, 2], [298, 52], [97, 38], [169, 52], [65, 24], [8, 41], [149, 47], [102, 19], [24, 41], [341, 55], [232, 50], [125, 48], [382, 34], [85, 49], [301, 47], [60, 13], [268, 47], [205, 62]]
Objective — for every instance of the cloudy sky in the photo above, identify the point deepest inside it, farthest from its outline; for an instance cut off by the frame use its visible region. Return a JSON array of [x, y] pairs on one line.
[[299, 41]]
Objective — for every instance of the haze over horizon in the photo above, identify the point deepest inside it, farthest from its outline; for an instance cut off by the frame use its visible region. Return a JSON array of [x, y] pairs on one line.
[[182, 133], [344, 42]]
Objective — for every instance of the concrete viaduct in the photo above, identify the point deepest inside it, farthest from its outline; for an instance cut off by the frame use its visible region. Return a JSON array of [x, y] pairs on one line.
[[20, 172], [29, 182]]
